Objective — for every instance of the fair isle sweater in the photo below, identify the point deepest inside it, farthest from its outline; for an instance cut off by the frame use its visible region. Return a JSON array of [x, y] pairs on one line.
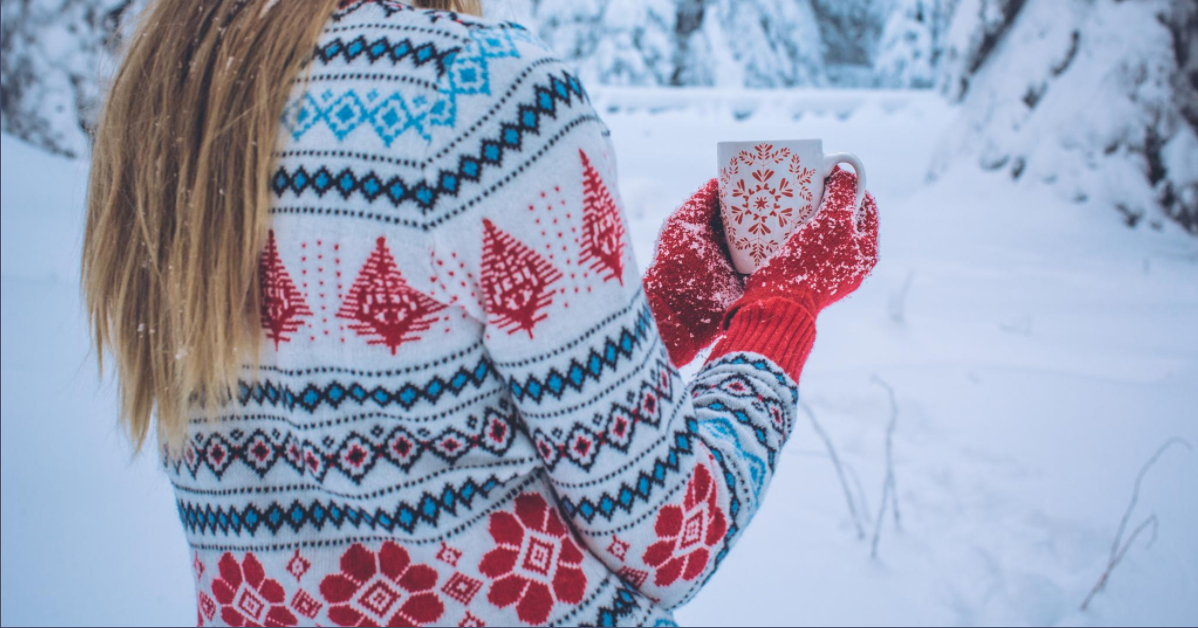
[[464, 414]]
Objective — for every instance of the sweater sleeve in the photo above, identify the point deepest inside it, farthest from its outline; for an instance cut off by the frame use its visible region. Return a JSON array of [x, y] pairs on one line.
[[658, 477]]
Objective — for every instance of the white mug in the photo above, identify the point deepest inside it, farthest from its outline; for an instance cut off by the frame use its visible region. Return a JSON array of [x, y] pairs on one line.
[[769, 189]]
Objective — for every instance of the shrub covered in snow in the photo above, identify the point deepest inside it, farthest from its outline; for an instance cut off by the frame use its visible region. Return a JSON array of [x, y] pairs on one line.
[[1094, 96], [911, 43], [51, 52]]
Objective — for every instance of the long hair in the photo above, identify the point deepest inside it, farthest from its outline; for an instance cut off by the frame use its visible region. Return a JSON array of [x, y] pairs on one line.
[[178, 197]]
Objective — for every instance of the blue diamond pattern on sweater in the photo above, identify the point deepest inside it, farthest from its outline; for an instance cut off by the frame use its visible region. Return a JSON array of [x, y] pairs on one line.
[[408, 395], [629, 339], [204, 519]]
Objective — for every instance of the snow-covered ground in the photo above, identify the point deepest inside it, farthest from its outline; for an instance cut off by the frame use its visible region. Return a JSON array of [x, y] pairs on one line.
[[1040, 353]]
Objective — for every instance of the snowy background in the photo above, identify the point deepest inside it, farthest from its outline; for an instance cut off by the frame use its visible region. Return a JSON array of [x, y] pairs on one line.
[[1036, 165]]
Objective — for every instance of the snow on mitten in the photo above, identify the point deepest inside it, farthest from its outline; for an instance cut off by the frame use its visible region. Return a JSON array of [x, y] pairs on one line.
[[822, 262], [691, 282]]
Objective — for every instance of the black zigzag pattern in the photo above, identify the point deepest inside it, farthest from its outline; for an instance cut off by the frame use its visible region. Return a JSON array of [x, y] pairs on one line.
[[353, 455], [384, 49], [622, 605], [203, 518], [581, 443], [560, 91], [599, 363], [405, 395]]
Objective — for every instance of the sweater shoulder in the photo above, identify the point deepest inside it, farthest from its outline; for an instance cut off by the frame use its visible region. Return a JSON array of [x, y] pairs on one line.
[[503, 42], [484, 103]]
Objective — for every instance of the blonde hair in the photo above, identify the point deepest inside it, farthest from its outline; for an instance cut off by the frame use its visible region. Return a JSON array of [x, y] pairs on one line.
[[178, 197]]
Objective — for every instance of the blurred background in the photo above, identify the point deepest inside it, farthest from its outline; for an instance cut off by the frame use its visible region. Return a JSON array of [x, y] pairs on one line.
[[996, 429]]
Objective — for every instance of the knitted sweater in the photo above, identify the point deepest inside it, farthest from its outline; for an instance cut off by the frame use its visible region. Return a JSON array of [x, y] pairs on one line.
[[464, 413]]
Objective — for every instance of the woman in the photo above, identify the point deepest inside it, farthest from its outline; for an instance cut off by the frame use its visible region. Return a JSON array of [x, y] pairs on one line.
[[402, 363]]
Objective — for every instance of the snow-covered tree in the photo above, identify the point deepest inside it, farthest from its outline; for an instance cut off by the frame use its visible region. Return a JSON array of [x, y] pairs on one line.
[[1090, 96], [751, 43], [975, 29], [52, 53], [911, 42], [850, 29], [613, 42], [1098, 96]]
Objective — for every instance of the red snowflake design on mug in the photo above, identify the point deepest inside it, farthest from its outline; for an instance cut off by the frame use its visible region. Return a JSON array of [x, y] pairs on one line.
[[772, 199]]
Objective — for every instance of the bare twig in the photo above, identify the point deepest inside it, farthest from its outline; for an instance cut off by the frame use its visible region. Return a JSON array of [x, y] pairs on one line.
[[887, 486], [860, 493], [1118, 546], [898, 301], [844, 485], [890, 484], [894, 409]]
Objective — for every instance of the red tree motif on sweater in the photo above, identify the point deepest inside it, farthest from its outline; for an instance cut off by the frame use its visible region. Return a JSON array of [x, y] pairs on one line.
[[602, 229], [283, 307], [515, 280], [383, 306]]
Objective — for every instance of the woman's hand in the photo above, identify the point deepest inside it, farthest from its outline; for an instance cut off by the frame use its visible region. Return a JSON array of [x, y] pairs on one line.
[[691, 282], [826, 259]]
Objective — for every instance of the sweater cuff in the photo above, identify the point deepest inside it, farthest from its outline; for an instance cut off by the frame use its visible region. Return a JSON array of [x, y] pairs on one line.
[[780, 329]]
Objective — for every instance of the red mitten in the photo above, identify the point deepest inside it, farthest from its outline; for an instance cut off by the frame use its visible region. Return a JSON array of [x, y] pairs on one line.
[[691, 282], [822, 262]]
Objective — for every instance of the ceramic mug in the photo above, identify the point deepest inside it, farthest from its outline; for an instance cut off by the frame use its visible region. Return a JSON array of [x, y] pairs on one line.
[[769, 189]]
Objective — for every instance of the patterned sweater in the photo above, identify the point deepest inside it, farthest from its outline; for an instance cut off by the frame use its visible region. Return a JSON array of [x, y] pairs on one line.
[[464, 413]]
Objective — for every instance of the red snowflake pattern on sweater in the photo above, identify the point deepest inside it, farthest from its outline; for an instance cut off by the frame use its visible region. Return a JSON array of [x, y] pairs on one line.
[[282, 305], [515, 281], [686, 533], [383, 307], [381, 589], [535, 562], [602, 230], [247, 597]]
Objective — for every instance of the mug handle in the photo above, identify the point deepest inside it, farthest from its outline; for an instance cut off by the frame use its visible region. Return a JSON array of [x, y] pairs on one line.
[[852, 160]]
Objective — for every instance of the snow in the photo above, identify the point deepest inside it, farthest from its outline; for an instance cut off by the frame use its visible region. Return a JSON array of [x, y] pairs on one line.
[[1031, 109], [1040, 356], [90, 536]]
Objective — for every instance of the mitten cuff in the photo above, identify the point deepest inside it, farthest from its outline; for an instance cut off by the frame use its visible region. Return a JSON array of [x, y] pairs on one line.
[[778, 328]]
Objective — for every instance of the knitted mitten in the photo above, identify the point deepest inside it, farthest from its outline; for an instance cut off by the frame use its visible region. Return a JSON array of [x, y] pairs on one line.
[[822, 262], [691, 282]]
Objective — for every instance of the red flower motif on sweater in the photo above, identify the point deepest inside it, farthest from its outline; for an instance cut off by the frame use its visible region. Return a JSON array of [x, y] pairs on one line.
[[535, 562], [247, 597], [685, 533], [381, 589]]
